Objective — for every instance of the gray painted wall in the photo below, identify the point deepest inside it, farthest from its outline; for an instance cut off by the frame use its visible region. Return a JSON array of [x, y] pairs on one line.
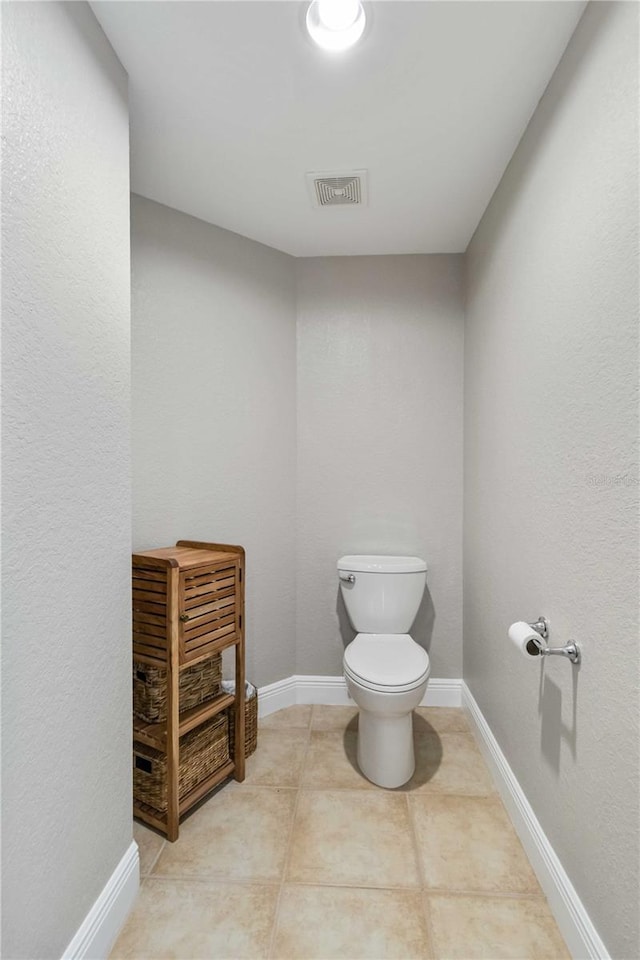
[[551, 482], [66, 728], [379, 411], [214, 409], [380, 358]]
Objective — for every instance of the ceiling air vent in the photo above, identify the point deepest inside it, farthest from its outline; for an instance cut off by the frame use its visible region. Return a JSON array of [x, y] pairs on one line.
[[338, 189]]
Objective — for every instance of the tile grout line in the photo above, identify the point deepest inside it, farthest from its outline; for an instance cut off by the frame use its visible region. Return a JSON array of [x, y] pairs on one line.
[[344, 885], [276, 915], [144, 876], [212, 880], [453, 893], [426, 912], [459, 894], [446, 892]]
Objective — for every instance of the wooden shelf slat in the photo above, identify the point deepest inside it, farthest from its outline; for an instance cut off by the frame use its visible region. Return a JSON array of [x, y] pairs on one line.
[[231, 640], [197, 715], [155, 734], [205, 786], [142, 811], [150, 734]]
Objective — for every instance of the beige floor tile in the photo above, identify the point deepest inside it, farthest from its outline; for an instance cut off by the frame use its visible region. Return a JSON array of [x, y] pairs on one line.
[[241, 833], [440, 720], [469, 844], [328, 923], [334, 718], [278, 759], [331, 762], [449, 763], [150, 844], [482, 928], [359, 838], [298, 716], [190, 919], [352, 878]]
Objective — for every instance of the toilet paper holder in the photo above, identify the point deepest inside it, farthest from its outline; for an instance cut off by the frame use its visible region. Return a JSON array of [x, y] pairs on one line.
[[570, 650]]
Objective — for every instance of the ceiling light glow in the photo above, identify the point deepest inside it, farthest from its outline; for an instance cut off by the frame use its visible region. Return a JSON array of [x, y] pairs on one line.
[[336, 24], [338, 14]]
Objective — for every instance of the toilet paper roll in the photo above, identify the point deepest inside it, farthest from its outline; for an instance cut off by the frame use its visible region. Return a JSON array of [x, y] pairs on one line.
[[525, 639]]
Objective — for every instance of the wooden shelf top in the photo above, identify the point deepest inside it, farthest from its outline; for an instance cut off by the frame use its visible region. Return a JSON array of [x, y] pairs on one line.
[[155, 734], [184, 557]]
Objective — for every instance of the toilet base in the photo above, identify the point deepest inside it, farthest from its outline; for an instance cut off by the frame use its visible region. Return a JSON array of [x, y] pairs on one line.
[[385, 732], [385, 748]]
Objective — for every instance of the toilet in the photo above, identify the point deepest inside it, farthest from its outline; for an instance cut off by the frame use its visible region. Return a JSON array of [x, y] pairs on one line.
[[385, 669]]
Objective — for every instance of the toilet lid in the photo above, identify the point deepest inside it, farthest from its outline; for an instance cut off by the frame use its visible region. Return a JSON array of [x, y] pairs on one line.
[[387, 660]]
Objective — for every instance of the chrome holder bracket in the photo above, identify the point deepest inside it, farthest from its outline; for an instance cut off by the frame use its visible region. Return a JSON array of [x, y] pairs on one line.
[[570, 650], [541, 626]]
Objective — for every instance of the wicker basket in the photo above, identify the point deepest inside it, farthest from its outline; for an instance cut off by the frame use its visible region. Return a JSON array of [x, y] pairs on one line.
[[198, 683], [250, 723], [202, 752]]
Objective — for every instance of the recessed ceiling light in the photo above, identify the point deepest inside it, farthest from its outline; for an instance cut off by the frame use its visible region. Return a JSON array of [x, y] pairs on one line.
[[336, 24]]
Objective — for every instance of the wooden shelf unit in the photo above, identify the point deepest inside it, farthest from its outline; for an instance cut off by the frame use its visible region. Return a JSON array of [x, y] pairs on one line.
[[188, 605]]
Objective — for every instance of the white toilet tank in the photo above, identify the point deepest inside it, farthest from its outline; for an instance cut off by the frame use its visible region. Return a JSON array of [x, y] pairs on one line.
[[382, 594]]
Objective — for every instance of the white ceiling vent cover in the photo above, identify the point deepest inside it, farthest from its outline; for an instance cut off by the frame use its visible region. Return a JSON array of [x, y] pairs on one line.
[[338, 189]]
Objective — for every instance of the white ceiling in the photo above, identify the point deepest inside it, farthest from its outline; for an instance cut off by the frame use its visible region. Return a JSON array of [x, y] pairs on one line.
[[231, 105]]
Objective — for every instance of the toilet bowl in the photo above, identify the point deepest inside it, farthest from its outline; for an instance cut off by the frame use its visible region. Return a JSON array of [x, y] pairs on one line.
[[386, 671]]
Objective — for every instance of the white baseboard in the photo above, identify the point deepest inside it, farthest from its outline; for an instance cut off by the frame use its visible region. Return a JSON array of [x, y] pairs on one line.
[[103, 923], [443, 692], [574, 922], [276, 696]]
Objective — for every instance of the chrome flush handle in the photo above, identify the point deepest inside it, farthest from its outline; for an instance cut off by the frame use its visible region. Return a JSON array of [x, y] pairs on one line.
[[347, 577]]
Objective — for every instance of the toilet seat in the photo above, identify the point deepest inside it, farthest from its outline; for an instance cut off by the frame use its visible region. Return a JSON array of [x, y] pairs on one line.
[[385, 688], [389, 663]]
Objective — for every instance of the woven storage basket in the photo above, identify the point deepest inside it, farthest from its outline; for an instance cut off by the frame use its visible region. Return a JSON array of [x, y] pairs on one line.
[[198, 683], [202, 752], [250, 723]]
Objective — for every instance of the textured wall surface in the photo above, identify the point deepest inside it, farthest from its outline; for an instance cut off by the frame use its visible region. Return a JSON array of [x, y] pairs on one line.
[[214, 409], [66, 773], [551, 482], [379, 406], [380, 353]]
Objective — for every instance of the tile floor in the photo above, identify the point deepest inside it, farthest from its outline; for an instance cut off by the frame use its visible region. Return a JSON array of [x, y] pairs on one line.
[[308, 859]]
